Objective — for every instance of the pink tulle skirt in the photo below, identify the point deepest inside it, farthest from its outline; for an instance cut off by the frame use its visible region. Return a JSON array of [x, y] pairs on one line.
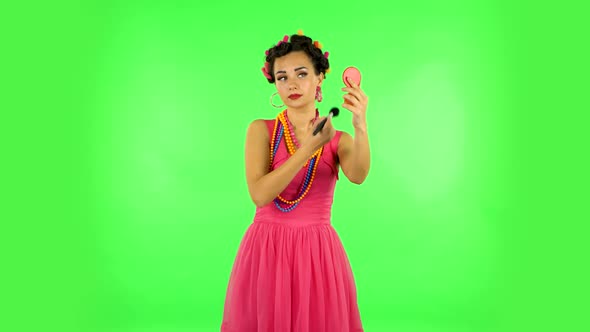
[[291, 278]]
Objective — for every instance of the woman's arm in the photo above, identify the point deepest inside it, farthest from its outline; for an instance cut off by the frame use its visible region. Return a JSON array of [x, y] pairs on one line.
[[354, 155], [264, 186]]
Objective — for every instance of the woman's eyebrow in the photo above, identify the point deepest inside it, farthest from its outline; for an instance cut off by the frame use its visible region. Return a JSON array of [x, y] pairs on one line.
[[296, 69]]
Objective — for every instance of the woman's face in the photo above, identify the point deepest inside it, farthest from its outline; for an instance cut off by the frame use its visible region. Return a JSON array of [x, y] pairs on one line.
[[295, 79]]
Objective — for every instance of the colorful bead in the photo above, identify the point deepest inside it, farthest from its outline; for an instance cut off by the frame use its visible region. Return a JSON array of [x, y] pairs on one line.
[[281, 128]]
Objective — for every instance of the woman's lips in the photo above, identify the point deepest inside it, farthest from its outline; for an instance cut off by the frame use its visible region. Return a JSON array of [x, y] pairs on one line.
[[294, 96]]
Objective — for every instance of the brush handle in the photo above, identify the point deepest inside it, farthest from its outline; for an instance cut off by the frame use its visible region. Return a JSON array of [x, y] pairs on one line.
[[322, 124]]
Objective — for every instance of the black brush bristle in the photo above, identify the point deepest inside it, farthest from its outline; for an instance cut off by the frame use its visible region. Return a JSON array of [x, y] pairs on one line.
[[334, 111]]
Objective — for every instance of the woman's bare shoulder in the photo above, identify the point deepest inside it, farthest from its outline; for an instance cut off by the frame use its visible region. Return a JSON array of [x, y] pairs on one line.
[[258, 128]]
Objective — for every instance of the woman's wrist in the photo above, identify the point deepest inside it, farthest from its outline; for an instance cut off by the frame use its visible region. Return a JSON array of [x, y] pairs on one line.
[[306, 150], [360, 130]]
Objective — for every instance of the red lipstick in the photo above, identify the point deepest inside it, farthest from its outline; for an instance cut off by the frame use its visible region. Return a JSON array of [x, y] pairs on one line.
[[294, 96]]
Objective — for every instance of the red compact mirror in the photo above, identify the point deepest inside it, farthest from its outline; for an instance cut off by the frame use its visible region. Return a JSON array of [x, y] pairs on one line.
[[352, 73]]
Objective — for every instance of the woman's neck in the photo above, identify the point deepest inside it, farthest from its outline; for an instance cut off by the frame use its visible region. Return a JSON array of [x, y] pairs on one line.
[[301, 117]]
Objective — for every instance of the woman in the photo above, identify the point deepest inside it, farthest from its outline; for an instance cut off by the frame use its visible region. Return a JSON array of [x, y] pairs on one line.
[[291, 272]]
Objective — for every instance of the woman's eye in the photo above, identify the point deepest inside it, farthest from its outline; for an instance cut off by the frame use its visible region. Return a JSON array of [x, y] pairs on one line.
[[281, 78], [302, 75]]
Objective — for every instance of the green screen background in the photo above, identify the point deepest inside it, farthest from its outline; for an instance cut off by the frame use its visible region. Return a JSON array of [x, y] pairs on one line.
[[126, 189]]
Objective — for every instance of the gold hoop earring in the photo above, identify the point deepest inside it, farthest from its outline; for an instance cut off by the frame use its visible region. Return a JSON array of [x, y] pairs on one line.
[[271, 101]]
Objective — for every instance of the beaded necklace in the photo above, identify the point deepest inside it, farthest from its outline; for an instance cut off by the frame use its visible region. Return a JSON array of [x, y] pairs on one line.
[[282, 129]]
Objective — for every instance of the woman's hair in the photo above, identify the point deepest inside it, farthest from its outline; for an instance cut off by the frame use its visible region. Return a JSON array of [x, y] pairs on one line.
[[297, 43]]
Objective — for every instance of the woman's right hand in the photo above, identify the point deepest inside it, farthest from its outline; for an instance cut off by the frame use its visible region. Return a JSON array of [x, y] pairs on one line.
[[324, 136]]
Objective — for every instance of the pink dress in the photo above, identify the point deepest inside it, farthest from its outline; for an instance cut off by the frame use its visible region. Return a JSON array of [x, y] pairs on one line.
[[291, 272]]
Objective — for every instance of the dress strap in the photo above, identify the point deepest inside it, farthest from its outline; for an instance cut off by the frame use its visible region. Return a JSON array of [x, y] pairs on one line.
[[270, 125]]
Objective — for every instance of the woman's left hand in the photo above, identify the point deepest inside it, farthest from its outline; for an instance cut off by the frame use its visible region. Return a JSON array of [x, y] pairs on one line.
[[356, 102]]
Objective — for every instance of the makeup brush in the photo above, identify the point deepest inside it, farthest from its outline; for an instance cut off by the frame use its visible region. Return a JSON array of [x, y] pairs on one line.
[[333, 112]]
